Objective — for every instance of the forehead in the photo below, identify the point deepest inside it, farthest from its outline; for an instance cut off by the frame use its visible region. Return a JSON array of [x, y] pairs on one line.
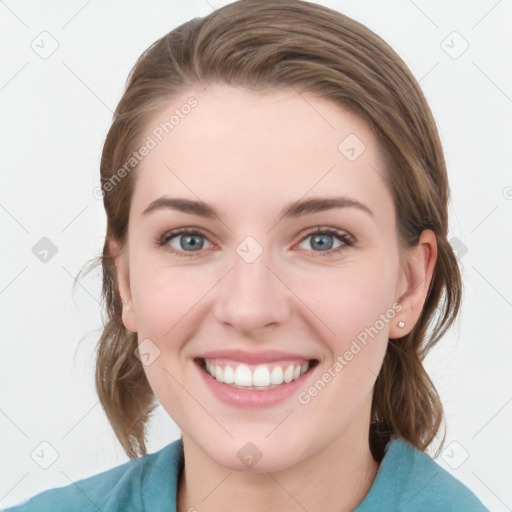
[[236, 147]]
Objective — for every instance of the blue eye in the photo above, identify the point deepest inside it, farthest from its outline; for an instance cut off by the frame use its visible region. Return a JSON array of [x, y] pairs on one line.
[[193, 239], [321, 238], [190, 239]]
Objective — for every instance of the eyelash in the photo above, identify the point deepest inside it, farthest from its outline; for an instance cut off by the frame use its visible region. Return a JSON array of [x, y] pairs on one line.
[[340, 235]]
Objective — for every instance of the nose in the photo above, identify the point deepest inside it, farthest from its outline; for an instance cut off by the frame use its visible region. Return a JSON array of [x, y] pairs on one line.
[[252, 296]]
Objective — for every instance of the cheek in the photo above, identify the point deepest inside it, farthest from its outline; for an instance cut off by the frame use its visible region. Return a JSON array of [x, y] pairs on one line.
[[355, 309], [168, 301], [165, 298], [350, 299]]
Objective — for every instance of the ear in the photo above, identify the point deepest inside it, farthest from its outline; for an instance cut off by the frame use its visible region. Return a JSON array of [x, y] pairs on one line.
[[123, 279], [414, 283]]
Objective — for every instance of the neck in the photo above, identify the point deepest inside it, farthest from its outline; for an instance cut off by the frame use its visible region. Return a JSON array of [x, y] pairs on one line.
[[335, 479]]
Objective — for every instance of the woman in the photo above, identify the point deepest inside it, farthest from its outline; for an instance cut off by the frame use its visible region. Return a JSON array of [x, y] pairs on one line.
[[275, 269]]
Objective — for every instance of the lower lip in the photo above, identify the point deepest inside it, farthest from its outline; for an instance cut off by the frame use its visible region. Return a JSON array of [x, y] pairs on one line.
[[253, 398]]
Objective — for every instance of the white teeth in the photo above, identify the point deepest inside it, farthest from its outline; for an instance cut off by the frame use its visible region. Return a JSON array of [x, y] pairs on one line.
[[276, 376], [243, 375], [260, 378], [229, 375], [288, 374]]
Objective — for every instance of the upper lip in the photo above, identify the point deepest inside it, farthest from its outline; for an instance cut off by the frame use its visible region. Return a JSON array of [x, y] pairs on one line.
[[243, 356]]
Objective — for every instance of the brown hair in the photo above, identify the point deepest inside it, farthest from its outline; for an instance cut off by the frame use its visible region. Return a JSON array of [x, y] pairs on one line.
[[278, 43]]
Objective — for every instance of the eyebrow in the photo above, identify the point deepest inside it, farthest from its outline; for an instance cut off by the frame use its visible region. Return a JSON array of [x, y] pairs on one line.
[[296, 209]]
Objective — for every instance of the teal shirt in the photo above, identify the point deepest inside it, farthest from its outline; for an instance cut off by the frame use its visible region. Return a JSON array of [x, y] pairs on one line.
[[408, 480]]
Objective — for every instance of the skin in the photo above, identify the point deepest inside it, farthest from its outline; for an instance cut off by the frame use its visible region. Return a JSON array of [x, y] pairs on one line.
[[250, 154]]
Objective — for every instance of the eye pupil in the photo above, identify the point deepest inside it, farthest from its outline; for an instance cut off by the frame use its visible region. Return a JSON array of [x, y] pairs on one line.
[[322, 244], [190, 240]]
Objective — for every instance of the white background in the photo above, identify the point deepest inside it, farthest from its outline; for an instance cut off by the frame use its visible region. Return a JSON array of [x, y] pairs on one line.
[[55, 113]]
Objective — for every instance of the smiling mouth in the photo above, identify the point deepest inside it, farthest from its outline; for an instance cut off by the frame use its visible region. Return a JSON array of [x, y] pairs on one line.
[[261, 377]]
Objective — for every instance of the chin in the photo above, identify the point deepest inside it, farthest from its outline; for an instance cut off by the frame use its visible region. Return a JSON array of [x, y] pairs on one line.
[[256, 453]]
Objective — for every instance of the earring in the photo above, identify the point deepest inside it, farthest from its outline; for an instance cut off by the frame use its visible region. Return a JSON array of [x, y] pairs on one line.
[[126, 305], [401, 324]]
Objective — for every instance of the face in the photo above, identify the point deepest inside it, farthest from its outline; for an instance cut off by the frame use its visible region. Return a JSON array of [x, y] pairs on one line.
[[246, 287]]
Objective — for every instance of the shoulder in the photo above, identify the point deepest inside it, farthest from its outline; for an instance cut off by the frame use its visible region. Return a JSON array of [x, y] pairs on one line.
[[408, 479], [123, 488]]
